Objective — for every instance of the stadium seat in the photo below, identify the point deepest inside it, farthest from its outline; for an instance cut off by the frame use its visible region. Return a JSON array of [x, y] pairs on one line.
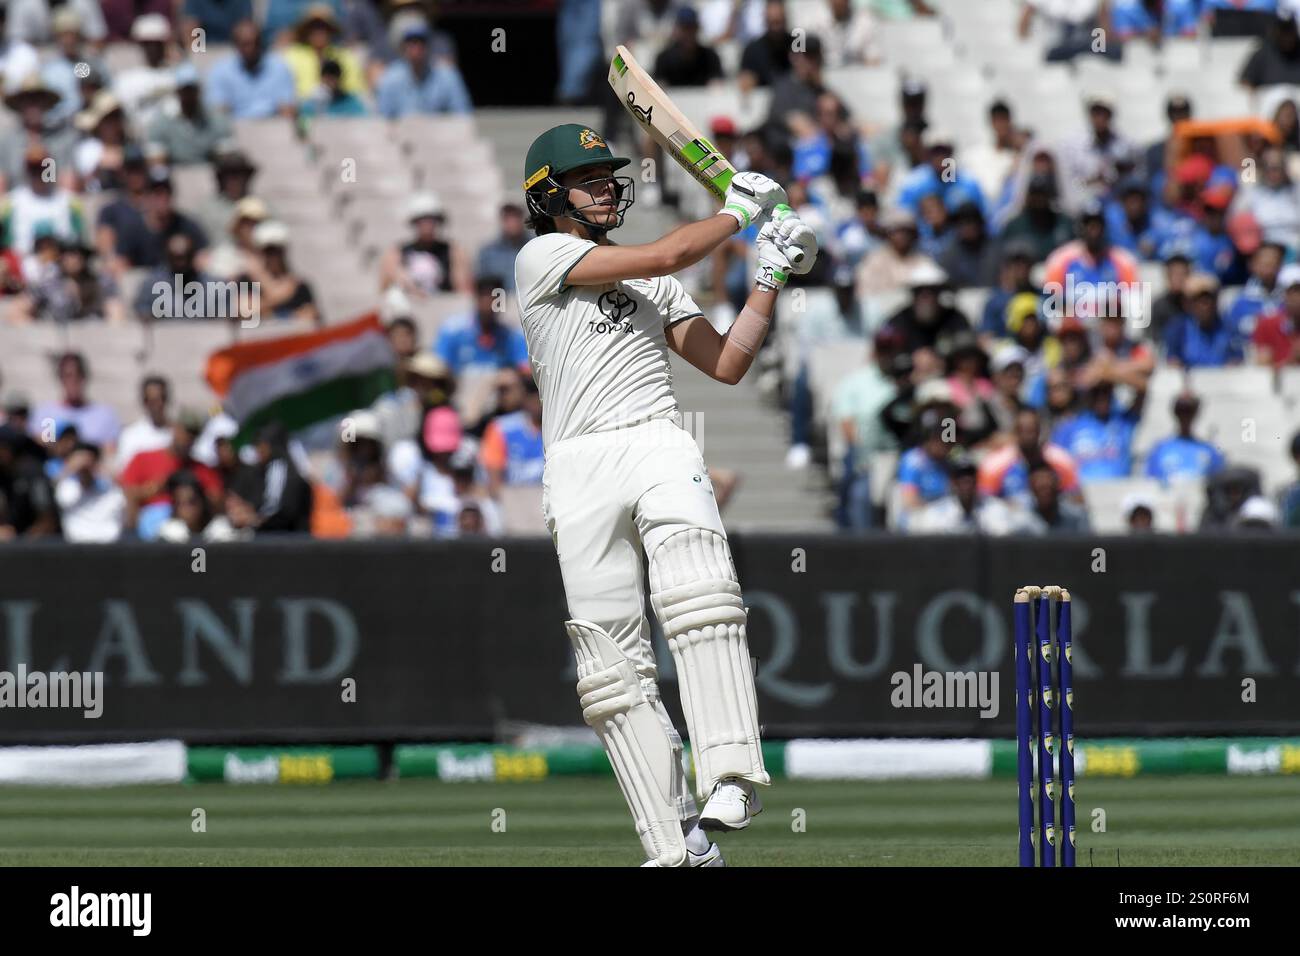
[[878, 307], [521, 510], [869, 92], [1180, 54], [193, 185], [827, 365], [1105, 500], [1243, 382], [268, 138], [1230, 53]]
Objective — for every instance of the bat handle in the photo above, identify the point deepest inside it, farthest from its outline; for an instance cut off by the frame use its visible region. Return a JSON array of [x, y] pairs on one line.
[[779, 212]]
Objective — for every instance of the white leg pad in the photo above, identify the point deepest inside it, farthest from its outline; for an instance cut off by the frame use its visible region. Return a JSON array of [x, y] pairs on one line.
[[643, 748], [696, 595]]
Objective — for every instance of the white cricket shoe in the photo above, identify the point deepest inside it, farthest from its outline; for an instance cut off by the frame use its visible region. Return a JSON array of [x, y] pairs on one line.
[[733, 803], [710, 857]]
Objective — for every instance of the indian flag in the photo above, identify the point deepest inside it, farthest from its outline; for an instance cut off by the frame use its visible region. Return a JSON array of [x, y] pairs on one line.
[[299, 380]]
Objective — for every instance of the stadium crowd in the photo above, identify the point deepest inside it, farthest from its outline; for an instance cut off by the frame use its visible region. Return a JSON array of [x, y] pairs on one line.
[[1000, 418], [994, 421]]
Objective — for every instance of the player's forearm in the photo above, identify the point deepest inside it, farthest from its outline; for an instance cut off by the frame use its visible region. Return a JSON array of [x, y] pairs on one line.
[[746, 335], [688, 244]]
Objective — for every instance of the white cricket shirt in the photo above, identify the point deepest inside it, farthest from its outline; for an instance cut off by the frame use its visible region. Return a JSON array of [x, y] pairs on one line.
[[598, 353]]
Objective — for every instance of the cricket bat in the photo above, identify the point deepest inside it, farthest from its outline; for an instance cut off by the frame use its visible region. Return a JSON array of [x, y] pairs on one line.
[[655, 113]]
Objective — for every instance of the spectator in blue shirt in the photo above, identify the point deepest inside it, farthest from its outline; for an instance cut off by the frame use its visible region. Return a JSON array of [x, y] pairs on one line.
[[479, 342], [940, 175], [217, 18], [1262, 293], [417, 83], [1100, 436], [923, 474], [251, 83], [1136, 18], [1200, 338], [1184, 456], [1130, 223]]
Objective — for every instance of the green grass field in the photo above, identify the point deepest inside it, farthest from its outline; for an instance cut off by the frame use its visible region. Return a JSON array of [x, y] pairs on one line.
[[1152, 821]]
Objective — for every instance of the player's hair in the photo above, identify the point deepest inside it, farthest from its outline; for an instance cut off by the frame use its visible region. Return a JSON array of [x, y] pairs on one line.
[[541, 224]]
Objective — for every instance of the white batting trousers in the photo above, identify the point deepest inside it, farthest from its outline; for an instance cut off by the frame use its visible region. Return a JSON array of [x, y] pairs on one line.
[[616, 499], [611, 498]]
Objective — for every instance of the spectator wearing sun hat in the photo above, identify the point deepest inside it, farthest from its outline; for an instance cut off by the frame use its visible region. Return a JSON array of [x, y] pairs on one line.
[[888, 265], [929, 323], [145, 90], [98, 157], [426, 263], [33, 102], [70, 30], [284, 293], [315, 43], [1008, 372]]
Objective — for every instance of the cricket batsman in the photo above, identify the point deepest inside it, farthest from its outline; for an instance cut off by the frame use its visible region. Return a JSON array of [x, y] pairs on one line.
[[623, 478]]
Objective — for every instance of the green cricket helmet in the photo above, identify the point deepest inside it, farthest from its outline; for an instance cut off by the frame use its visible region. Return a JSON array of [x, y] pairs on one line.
[[562, 149]]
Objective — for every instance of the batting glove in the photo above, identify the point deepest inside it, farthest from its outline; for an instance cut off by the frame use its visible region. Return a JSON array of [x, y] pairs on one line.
[[773, 266], [751, 197], [796, 239]]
